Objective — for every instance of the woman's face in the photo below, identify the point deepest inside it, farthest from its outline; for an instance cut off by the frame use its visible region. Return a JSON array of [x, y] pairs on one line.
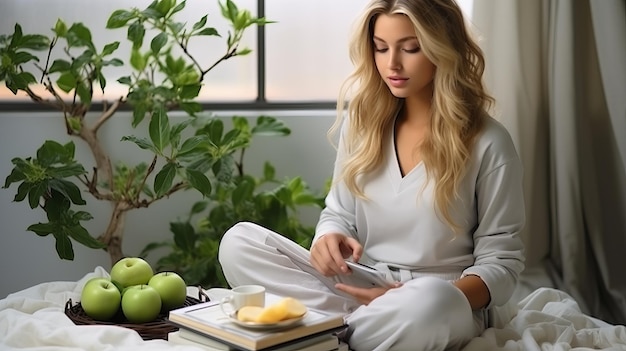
[[399, 58]]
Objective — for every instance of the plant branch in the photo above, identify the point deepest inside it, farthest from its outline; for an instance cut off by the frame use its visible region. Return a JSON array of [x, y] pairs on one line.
[[143, 182], [231, 53], [108, 113], [103, 162]]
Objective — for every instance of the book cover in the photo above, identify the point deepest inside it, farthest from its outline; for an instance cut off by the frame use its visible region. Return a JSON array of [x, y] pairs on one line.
[[208, 319], [324, 342]]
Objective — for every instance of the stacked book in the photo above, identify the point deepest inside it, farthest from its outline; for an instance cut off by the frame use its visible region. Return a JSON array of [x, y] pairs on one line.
[[205, 325]]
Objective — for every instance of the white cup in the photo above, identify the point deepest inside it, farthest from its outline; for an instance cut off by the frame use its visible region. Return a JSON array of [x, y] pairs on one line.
[[244, 295]]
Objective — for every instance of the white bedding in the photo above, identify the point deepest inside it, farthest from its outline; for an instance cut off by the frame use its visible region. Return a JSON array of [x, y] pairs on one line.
[[547, 319]]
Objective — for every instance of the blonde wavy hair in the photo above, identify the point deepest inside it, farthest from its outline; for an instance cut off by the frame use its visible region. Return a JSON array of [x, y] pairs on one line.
[[459, 102]]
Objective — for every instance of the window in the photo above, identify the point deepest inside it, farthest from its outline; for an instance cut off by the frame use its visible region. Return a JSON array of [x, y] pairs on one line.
[[298, 62]]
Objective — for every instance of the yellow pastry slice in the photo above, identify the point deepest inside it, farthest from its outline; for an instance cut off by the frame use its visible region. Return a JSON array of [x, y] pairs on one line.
[[249, 313], [272, 314], [294, 307]]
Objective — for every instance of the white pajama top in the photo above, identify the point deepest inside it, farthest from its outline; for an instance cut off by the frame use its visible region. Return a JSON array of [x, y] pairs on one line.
[[398, 225]]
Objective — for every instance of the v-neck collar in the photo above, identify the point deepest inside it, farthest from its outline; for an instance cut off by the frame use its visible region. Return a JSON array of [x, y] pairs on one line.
[[400, 182]]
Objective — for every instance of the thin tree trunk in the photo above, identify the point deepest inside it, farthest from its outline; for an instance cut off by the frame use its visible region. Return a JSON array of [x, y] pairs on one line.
[[114, 233]]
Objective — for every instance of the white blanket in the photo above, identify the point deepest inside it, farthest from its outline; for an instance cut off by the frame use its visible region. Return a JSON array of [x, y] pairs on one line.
[[547, 320]]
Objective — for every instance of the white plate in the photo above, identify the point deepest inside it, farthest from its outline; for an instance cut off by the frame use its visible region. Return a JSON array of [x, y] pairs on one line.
[[266, 326]]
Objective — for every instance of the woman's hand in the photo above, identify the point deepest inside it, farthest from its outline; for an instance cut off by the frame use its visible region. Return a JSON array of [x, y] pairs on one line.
[[364, 295], [329, 252]]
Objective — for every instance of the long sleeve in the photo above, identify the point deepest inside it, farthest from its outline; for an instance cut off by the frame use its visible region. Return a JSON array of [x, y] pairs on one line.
[[338, 216], [498, 247]]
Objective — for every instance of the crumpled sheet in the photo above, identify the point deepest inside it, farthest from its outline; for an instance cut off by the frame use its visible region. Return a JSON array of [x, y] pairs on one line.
[[546, 320]]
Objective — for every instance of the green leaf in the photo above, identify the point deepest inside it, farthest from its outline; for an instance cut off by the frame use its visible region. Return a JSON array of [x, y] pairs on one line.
[[81, 235], [243, 192], [137, 60], [17, 36], [66, 171], [57, 206], [23, 57], [78, 35], [68, 189], [139, 112], [159, 129], [209, 31], [199, 181], [85, 58], [110, 48], [102, 80], [270, 126], [269, 172], [151, 13], [184, 235], [34, 42], [60, 28], [179, 127], [19, 81], [64, 246], [82, 216], [125, 80], [164, 179], [164, 6], [141, 142], [59, 66], [158, 42], [187, 77], [214, 130], [136, 32], [36, 192], [84, 93], [42, 229], [242, 20], [233, 11], [22, 191], [176, 27], [192, 108], [67, 82], [69, 151], [189, 92], [191, 144], [114, 62], [199, 207], [51, 152], [201, 23], [244, 52], [119, 18], [179, 7], [15, 176]]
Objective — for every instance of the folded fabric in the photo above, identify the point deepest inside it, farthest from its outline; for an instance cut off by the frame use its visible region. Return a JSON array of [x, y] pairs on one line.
[[550, 320]]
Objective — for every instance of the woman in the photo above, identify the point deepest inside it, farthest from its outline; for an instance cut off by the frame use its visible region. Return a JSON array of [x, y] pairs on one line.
[[427, 188]]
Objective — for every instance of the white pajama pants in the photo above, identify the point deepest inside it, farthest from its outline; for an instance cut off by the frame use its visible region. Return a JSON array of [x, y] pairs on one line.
[[425, 313]]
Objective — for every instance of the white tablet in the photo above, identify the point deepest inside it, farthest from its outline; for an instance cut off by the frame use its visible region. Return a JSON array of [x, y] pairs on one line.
[[364, 276]]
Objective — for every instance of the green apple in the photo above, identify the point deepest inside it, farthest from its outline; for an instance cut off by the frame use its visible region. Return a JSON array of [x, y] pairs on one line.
[[171, 287], [131, 271], [141, 303], [100, 299]]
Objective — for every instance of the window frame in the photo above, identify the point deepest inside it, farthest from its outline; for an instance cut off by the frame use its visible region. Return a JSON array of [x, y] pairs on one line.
[[259, 104]]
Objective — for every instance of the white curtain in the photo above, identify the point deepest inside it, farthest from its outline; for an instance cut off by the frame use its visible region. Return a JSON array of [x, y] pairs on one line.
[[558, 71]]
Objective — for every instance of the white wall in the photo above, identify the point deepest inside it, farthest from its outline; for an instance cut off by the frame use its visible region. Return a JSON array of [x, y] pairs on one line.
[[27, 259]]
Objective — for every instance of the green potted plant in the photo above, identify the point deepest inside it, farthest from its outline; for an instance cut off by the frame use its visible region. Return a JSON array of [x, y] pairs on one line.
[[165, 76], [237, 196]]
